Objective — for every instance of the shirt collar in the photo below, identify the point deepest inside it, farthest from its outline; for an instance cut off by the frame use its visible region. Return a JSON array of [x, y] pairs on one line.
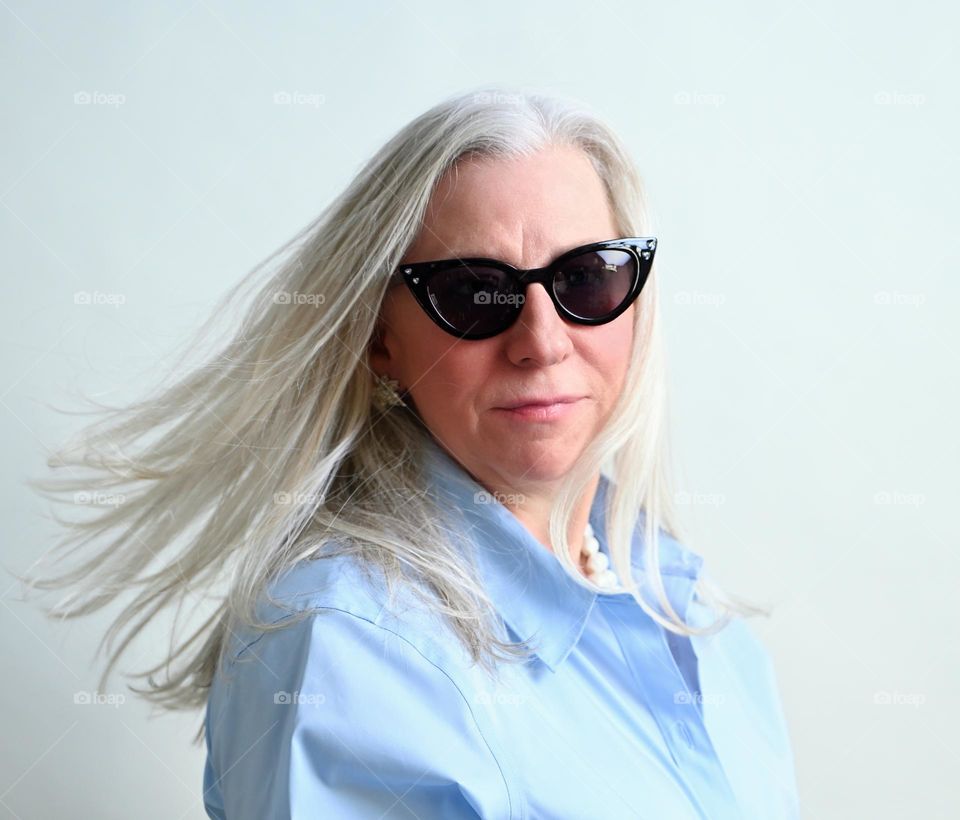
[[530, 589]]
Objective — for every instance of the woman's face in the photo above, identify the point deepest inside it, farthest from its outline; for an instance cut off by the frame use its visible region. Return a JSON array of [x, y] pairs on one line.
[[526, 212]]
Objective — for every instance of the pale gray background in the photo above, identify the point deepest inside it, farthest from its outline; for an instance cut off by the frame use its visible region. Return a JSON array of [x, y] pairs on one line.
[[802, 161]]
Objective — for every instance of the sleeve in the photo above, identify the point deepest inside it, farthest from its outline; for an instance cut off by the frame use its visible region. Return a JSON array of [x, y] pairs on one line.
[[336, 716]]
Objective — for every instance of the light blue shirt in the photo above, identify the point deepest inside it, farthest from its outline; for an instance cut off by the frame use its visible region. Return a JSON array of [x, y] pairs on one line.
[[364, 711]]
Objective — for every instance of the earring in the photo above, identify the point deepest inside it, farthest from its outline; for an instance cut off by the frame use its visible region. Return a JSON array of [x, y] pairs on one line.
[[385, 393]]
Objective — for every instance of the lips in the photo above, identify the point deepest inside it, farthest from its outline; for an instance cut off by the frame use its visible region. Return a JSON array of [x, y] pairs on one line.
[[540, 401]]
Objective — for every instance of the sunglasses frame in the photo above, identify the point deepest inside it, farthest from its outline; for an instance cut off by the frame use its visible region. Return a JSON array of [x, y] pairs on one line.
[[417, 276]]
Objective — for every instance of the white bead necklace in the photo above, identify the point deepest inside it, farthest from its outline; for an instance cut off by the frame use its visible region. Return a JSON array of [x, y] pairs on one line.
[[596, 562]]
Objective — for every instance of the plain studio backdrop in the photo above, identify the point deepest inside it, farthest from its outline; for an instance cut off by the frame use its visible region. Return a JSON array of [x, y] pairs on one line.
[[802, 164]]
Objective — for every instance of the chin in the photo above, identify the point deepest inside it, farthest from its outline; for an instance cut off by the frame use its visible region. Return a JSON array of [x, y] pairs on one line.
[[540, 461]]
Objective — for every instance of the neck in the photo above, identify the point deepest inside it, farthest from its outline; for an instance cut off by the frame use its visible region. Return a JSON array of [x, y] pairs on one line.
[[534, 514]]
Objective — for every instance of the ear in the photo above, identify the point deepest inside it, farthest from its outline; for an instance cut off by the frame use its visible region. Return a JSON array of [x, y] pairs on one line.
[[378, 355]]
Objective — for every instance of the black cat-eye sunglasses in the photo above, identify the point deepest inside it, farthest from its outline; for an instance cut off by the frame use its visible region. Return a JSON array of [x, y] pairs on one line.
[[478, 298]]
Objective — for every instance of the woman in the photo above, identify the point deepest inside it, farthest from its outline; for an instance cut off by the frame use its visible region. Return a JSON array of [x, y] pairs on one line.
[[429, 475]]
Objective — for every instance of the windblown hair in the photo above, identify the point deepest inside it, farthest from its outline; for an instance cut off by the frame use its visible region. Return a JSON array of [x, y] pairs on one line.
[[271, 452]]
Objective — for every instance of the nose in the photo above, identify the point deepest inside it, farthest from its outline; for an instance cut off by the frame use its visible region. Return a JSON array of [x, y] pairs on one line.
[[539, 335]]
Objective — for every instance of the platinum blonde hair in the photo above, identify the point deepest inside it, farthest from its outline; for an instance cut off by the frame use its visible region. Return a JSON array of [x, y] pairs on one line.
[[270, 452]]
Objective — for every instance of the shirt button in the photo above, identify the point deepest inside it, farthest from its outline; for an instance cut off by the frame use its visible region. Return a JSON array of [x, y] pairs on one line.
[[684, 731]]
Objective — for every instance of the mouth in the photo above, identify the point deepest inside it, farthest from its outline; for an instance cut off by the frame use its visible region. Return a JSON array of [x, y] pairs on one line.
[[546, 409], [540, 401]]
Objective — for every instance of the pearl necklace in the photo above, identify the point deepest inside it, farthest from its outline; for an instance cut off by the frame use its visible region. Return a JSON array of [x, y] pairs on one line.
[[596, 562]]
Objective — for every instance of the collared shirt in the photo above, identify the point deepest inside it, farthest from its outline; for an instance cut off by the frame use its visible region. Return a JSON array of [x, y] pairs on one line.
[[364, 710]]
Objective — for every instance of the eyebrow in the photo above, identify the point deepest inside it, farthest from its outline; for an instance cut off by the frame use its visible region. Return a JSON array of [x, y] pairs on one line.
[[487, 255]]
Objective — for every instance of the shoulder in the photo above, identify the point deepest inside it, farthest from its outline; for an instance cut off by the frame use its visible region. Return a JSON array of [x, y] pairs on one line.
[[738, 640], [344, 705], [338, 593]]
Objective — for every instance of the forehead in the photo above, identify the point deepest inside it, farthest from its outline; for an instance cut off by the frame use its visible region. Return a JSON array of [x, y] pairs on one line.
[[524, 210]]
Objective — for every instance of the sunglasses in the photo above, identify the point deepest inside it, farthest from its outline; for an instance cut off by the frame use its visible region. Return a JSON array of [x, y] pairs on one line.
[[478, 298]]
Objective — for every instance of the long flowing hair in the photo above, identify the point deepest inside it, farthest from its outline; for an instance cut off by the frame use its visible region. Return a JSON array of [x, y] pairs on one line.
[[271, 452]]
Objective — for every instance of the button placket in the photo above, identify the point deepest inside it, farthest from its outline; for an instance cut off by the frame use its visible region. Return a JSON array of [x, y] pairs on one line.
[[645, 649], [675, 709]]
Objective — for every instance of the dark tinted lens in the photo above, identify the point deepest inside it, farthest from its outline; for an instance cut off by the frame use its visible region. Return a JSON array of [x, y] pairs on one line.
[[594, 284], [474, 299]]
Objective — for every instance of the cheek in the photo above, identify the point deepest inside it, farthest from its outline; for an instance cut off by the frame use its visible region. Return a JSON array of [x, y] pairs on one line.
[[446, 372], [453, 375], [451, 392], [417, 346], [610, 348]]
